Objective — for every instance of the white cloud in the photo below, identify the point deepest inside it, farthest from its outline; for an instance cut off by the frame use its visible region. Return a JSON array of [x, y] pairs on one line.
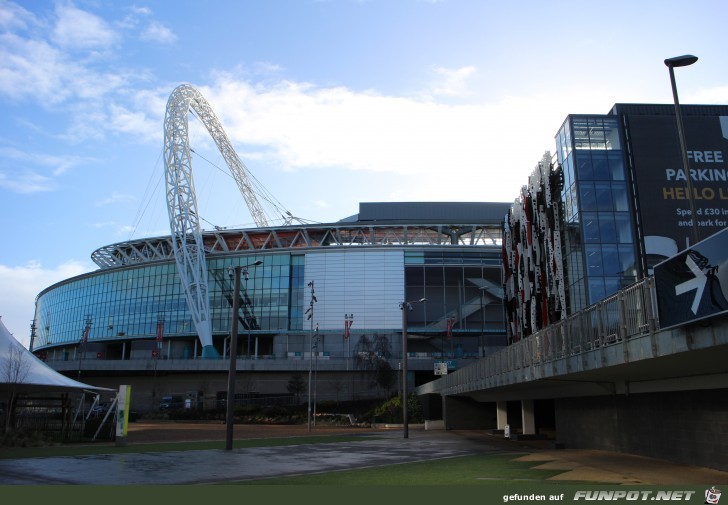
[[21, 284], [13, 16], [452, 82], [115, 198], [63, 83], [103, 224], [135, 122], [25, 182], [716, 95], [157, 32], [493, 145], [78, 29], [144, 11], [57, 164], [435, 151], [27, 60]]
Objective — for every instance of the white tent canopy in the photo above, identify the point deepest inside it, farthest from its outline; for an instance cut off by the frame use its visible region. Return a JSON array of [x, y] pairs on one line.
[[22, 372]]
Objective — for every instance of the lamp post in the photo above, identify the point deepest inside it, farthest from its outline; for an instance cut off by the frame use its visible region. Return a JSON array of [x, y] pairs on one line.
[[230, 403], [348, 321], [157, 352], [404, 307], [82, 343], [683, 61], [309, 311]]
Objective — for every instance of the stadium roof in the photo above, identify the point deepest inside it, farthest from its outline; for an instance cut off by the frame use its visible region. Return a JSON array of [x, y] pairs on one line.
[[432, 212]]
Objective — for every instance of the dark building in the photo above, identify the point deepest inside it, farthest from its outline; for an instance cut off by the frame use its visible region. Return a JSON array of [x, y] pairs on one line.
[[611, 203]]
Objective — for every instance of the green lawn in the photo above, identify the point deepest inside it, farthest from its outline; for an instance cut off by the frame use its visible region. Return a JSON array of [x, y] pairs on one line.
[[465, 470], [86, 450]]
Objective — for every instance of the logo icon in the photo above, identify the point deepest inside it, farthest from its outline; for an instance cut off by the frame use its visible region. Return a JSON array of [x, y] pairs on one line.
[[712, 496]]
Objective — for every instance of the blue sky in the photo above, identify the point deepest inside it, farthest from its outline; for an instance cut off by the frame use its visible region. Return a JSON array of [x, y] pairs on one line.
[[328, 103]]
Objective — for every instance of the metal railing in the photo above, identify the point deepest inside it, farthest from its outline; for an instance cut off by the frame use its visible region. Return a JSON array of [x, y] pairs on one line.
[[630, 312]]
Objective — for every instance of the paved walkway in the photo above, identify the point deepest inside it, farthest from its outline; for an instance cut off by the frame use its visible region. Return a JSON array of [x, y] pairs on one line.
[[377, 449]]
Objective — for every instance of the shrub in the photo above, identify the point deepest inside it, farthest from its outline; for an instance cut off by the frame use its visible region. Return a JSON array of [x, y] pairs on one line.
[[391, 410], [24, 439]]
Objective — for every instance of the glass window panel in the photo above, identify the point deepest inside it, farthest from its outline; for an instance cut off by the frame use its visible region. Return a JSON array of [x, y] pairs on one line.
[[600, 167], [568, 210], [596, 138], [414, 276], [594, 260], [616, 166], [610, 260], [568, 172], [591, 228], [611, 285], [604, 196], [607, 228], [580, 135], [596, 289], [587, 197], [623, 228], [619, 197], [567, 138], [627, 260], [611, 130], [453, 277], [584, 171], [434, 276]]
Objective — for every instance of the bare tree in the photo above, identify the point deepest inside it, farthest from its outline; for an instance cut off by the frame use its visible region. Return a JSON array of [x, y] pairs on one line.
[[296, 386], [14, 372], [372, 359]]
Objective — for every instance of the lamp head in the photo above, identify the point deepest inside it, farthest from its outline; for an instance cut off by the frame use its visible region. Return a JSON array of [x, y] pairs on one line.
[[681, 61]]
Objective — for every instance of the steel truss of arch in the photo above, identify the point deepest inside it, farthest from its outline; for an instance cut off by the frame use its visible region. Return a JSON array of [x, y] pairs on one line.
[[184, 220]]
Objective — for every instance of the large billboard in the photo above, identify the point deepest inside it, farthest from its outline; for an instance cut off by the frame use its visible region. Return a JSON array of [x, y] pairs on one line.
[[662, 183], [693, 285]]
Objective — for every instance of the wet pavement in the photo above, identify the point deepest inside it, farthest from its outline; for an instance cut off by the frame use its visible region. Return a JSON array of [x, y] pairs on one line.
[[216, 466], [373, 450]]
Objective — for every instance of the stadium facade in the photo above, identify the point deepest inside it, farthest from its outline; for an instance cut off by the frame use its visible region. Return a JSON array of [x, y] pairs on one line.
[[129, 322]]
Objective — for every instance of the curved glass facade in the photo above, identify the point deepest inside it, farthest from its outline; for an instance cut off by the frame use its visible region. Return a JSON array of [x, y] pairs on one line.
[[127, 308]]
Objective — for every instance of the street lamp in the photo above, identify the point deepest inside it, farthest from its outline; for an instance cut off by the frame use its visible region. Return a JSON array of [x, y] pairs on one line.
[[404, 307], [309, 312], [230, 407], [683, 61], [82, 343]]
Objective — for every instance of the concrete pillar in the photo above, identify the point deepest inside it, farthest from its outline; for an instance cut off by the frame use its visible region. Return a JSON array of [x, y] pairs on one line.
[[527, 417], [501, 415]]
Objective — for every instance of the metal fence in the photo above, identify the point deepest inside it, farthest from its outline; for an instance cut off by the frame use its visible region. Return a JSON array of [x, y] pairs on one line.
[[630, 312]]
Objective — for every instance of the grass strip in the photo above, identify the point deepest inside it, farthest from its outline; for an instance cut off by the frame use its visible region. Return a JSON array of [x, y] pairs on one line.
[[481, 469]]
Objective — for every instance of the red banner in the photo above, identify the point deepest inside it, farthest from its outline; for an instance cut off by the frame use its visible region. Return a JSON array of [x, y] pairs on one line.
[[347, 328], [160, 331]]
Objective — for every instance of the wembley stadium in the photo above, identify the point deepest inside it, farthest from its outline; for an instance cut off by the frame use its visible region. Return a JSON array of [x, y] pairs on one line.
[[347, 300], [129, 321]]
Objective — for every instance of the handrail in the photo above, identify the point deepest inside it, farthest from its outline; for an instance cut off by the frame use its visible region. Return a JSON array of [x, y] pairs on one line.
[[628, 313]]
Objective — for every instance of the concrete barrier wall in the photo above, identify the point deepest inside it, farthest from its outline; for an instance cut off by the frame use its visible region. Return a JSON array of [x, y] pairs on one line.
[[438, 424], [689, 427], [463, 413]]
